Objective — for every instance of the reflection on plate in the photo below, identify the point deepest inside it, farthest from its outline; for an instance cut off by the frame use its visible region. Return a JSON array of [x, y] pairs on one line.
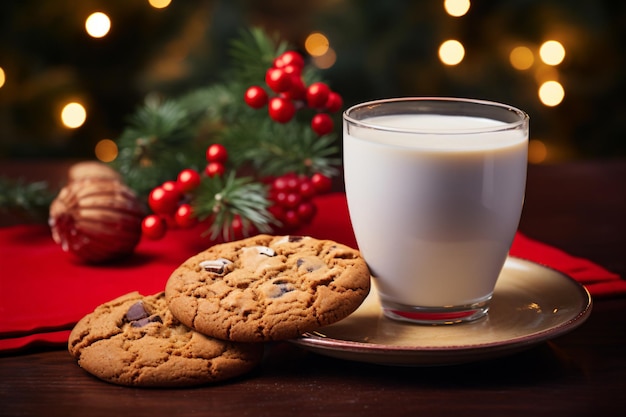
[[531, 304]]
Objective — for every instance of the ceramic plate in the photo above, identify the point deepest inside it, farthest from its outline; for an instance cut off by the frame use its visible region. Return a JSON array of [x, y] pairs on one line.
[[530, 305]]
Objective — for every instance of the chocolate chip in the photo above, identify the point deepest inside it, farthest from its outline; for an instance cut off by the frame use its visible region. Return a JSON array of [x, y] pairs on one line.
[[294, 238], [310, 267], [217, 266], [283, 288], [146, 320], [136, 312]]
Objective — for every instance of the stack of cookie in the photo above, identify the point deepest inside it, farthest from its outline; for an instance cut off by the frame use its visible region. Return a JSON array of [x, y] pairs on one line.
[[218, 309]]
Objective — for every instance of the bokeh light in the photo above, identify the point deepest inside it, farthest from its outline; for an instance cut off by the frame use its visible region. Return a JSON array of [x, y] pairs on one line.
[[552, 52], [97, 25], [537, 151], [521, 58], [316, 44], [325, 61], [2, 77], [73, 115], [456, 8], [159, 4], [106, 150], [551, 93], [451, 52]]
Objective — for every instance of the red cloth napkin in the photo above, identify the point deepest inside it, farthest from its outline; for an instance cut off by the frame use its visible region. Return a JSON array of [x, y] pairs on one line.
[[44, 291]]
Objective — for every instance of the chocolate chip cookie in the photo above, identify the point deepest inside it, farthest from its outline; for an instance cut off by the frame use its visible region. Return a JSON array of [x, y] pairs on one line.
[[134, 340], [268, 288]]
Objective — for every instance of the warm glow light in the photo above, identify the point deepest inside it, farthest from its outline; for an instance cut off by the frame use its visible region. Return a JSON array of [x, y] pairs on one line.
[[537, 151], [327, 60], [106, 150], [159, 4], [2, 77], [73, 115], [456, 8], [551, 93], [552, 52], [316, 44], [451, 52], [97, 24], [521, 58]]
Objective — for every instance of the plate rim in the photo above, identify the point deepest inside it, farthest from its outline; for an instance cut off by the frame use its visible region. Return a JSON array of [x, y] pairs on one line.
[[323, 344]]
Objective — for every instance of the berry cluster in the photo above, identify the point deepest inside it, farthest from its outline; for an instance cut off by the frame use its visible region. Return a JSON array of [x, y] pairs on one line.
[[171, 201], [171, 205], [284, 79], [292, 197]]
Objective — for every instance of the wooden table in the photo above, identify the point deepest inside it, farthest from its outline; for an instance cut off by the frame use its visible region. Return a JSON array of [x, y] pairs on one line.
[[579, 207]]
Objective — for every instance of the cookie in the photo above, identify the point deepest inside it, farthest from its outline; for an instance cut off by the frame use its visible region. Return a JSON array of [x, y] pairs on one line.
[[268, 288], [134, 340]]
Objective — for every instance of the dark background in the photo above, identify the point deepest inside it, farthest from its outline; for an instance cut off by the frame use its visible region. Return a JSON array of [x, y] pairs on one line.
[[384, 49]]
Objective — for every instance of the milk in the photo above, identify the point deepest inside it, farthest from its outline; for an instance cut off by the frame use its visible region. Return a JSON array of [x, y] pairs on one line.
[[434, 210]]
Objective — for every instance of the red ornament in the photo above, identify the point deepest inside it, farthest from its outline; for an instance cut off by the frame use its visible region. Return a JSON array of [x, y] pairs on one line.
[[216, 153], [281, 109], [153, 227], [317, 95], [322, 124], [97, 220], [256, 97]]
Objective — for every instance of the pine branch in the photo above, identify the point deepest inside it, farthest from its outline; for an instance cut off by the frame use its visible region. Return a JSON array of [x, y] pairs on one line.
[[253, 53], [221, 199], [30, 200], [274, 149]]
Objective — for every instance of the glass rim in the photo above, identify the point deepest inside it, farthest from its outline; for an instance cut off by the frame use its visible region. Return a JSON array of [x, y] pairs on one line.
[[522, 116]]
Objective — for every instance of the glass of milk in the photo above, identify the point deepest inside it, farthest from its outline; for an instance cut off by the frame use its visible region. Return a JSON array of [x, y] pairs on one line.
[[435, 189]]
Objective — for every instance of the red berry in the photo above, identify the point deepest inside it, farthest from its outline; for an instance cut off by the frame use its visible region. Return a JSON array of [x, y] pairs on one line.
[[317, 95], [255, 97], [297, 90], [281, 198], [279, 184], [306, 211], [307, 190], [171, 186], [163, 201], [281, 109], [321, 182], [294, 71], [153, 227], [292, 182], [289, 58], [322, 124], [334, 102], [216, 153], [292, 200], [277, 211], [278, 80], [214, 169], [188, 180], [184, 216], [237, 227], [292, 219]]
